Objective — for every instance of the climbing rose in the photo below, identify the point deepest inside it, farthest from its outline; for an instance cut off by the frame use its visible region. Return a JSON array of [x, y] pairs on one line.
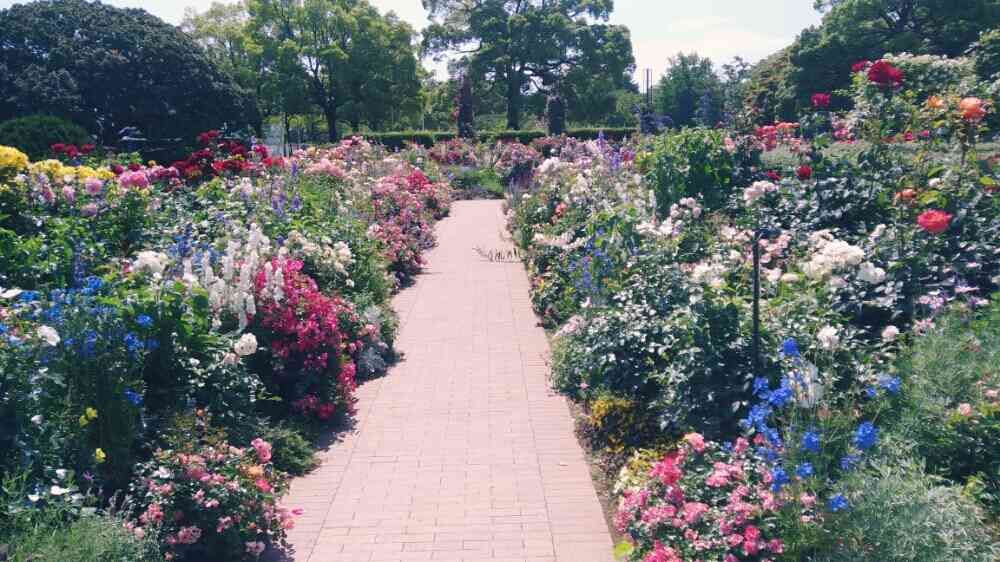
[[972, 109], [804, 172], [934, 221], [821, 101], [885, 75]]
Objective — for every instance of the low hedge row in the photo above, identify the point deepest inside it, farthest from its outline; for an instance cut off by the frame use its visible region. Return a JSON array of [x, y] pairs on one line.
[[428, 139]]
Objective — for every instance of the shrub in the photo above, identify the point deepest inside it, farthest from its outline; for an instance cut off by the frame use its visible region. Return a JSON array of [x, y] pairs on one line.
[[951, 399], [291, 452], [208, 500], [898, 514], [35, 134], [689, 163], [702, 501]]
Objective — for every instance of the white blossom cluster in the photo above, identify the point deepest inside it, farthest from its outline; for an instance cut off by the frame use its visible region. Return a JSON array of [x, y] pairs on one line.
[[327, 255]]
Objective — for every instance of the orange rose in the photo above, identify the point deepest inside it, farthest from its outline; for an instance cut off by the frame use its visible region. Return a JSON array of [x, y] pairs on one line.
[[934, 102], [906, 195], [972, 109]]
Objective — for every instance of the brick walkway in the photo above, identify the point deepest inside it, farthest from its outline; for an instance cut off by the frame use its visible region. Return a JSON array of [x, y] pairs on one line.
[[461, 452]]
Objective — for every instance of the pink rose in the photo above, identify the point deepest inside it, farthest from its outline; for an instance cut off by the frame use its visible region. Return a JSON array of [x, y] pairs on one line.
[[263, 449]]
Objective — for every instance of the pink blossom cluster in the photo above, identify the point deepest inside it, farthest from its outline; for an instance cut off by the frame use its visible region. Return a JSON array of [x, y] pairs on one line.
[[701, 502], [404, 205], [312, 356], [210, 499]]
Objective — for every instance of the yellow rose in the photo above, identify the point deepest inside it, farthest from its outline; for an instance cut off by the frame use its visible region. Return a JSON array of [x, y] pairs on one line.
[[91, 413], [99, 455], [12, 160], [84, 421]]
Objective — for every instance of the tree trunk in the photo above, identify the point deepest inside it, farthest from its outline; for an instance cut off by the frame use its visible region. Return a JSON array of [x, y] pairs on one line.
[[514, 100], [330, 112]]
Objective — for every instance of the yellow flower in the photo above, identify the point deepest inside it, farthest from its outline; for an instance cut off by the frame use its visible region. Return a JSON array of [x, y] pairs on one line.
[[91, 413], [99, 455], [84, 421], [12, 160]]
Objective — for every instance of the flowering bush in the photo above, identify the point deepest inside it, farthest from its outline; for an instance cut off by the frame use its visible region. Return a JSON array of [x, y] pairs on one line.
[[702, 501], [211, 500]]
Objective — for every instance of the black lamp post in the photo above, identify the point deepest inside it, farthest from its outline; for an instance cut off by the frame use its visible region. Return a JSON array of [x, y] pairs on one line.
[[758, 235]]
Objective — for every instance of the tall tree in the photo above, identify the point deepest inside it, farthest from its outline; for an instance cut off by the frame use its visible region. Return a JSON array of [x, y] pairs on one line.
[[109, 68], [358, 64], [528, 45], [689, 91]]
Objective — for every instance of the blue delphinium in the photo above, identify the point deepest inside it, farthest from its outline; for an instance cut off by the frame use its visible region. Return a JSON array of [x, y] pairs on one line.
[[781, 395], [133, 343], [134, 397], [804, 470], [865, 436], [810, 441], [890, 384], [778, 479], [144, 321], [849, 462], [837, 503], [790, 349]]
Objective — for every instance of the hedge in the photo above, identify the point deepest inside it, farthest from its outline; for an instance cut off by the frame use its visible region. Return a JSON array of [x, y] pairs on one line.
[[428, 139]]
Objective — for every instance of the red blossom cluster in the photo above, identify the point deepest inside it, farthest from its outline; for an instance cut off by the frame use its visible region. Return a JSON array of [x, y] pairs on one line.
[[455, 152], [221, 156], [71, 151], [884, 74], [311, 353], [821, 101]]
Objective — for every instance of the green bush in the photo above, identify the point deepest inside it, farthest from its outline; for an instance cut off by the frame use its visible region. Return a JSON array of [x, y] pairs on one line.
[[950, 409], [291, 453], [689, 163], [987, 54], [899, 514], [88, 539], [35, 134]]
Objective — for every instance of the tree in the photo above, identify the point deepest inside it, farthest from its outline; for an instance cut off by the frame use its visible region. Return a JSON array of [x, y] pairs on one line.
[[852, 30], [689, 82], [357, 64], [527, 45], [108, 68], [555, 110], [466, 115]]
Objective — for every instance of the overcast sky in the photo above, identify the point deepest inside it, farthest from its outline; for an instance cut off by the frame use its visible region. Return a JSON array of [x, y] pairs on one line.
[[720, 29]]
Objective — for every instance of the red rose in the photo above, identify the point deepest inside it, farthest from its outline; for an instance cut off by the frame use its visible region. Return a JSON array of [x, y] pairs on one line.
[[87, 149], [821, 101], [134, 167], [804, 172], [934, 221], [117, 169], [71, 151], [773, 175], [325, 411], [885, 75], [58, 147], [860, 65]]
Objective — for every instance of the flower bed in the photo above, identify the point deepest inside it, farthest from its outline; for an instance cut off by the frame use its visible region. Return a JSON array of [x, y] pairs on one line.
[[234, 290], [643, 265]]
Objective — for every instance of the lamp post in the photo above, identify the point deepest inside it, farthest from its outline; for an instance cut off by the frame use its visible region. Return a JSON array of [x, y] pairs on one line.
[[758, 235]]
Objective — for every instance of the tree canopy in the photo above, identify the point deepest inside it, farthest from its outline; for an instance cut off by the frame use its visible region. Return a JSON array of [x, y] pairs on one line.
[[690, 91], [356, 64], [108, 68], [530, 45]]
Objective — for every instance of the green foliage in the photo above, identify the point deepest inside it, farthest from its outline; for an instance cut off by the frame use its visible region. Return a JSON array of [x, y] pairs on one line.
[[91, 538], [292, 453], [35, 134], [987, 55], [953, 365], [357, 64], [555, 110], [680, 93], [689, 163], [427, 139], [525, 43], [108, 68], [899, 514]]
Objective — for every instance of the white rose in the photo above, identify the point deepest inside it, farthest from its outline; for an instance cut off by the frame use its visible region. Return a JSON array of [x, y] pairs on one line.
[[151, 262], [889, 333], [247, 345], [49, 334], [871, 274], [37, 419], [828, 338]]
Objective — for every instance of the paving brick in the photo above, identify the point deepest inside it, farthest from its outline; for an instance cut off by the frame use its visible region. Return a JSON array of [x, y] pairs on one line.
[[462, 452]]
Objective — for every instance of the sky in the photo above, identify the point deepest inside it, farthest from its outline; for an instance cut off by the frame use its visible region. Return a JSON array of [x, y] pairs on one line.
[[719, 29]]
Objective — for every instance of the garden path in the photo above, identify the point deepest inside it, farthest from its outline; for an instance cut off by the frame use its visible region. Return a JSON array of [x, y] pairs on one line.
[[462, 452]]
